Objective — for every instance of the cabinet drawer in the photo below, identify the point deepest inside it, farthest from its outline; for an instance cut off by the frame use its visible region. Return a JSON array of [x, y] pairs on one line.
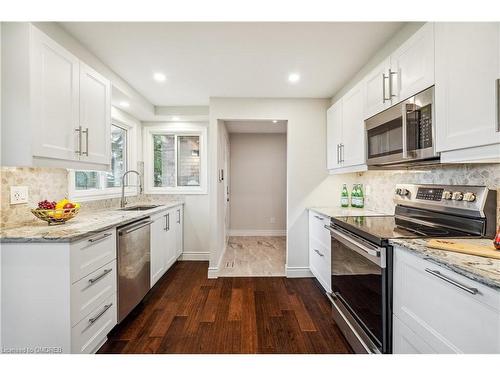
[[317, 228], [89, 292], [451, 313], [320, 263], [92, 253], [87, 335]]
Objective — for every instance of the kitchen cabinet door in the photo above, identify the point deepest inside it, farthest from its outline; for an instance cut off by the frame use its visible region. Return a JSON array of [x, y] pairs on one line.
[[171, 238], [54, 98], [334, 135], [353, 128], [413, 64], [95, 116], [449, 312], [467, 68], [159, 247], [179, 231], [377, 96]]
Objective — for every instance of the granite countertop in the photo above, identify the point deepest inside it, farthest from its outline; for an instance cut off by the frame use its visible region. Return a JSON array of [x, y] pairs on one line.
[[345, 211], [480, 269], [83, 225]]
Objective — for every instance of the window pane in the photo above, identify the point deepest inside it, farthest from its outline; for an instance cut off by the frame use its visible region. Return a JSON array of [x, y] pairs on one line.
[[164, 160], [188, 168], [118, 156], [86, 180]]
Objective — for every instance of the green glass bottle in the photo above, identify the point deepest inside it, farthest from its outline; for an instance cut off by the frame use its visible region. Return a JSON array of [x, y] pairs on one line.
[[354, 196], [344, 197], [361, 197]]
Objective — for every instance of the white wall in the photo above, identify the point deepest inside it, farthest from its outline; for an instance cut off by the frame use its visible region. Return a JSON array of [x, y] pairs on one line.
[[258, 182], [307, 178]]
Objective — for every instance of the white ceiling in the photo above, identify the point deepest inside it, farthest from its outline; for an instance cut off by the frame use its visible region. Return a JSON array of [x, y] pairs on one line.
[[255, 126], [201, 60]]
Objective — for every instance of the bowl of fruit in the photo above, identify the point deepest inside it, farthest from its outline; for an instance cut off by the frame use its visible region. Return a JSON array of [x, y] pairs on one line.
[[56, 212]]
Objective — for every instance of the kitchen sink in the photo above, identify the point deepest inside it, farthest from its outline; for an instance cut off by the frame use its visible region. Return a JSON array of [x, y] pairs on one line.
[[143, 207]]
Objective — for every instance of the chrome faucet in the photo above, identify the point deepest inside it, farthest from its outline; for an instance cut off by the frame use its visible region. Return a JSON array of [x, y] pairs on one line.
[[123, 201]]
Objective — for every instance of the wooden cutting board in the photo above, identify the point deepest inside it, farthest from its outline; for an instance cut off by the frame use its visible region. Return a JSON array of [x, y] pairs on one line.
[[466, 247]]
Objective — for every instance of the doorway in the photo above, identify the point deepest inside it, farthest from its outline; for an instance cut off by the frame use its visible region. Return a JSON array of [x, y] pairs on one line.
[[255, 193]]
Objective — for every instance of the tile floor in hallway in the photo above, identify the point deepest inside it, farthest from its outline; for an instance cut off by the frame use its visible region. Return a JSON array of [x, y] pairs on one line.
[[254, 256]]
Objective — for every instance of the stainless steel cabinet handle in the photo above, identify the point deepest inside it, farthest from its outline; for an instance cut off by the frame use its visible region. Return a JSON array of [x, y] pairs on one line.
[[178, 216], [168, 221], [342, 153], [384, 98], [95, 318], [319, 252], [96, 239], [79, 130], [391, 73], [166, 225], [451, 281], [319, 217], [104, 273], [86, 131], [498, 104], [338, 153]]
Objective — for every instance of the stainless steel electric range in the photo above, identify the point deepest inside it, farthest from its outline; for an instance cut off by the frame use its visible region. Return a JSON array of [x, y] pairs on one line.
[[362, 255]]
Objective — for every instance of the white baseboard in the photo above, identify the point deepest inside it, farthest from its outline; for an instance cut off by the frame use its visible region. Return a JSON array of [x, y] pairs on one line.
[[195, 255], [257, 232], [293, 272], [213, 272]]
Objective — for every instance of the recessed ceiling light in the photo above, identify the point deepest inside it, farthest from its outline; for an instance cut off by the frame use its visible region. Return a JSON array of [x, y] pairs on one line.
[[160, 77], [294, 77], [124, 104], [275, 121]]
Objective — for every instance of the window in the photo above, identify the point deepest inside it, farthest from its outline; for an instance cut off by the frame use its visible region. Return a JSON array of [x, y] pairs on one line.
[[97, 184], [177, 159], [118, 156]]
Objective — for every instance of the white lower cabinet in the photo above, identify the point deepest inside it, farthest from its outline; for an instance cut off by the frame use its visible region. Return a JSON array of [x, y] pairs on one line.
[[439, 311], [59, 296], [320, 249], [166, 241]]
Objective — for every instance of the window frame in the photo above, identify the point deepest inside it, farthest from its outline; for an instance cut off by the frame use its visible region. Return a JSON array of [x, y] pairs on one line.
[[112, 192], [175, 129]]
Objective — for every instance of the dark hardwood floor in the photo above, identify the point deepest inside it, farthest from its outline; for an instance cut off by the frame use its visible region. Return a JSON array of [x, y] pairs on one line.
[[187, 313]]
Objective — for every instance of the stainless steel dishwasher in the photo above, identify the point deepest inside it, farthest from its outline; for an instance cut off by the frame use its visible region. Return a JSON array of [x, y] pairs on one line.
[[134, 264]]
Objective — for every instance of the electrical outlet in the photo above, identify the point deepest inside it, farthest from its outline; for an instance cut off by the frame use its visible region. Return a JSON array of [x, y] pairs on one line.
[[272, 220], [18, 194], [368, 190]]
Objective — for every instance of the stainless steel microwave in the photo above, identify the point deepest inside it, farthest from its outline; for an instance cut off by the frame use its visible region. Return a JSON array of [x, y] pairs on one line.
[[403, 133]]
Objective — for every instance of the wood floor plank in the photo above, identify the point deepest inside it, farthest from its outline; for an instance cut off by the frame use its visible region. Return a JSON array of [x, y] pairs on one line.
[[185, 312]]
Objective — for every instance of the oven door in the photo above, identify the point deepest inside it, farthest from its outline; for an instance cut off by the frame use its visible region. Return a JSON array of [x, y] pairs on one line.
[[360, 290]]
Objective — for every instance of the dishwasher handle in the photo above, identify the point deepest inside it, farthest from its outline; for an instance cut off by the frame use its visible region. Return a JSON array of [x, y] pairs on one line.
[[134, 227]]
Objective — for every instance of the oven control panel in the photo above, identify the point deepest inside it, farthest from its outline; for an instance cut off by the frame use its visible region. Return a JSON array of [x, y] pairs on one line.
[[442, 197], [430, 194]]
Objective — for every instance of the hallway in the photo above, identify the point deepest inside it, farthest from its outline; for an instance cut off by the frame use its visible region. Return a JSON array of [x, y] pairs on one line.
[[254, 256]]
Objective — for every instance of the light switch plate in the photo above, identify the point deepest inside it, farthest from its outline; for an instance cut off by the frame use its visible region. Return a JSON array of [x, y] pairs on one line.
[[18, 194]]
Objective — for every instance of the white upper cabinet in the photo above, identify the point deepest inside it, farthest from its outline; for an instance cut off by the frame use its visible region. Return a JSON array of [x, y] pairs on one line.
[[95, 116], [56, 111], [334, 135], [353, 127], [345, 133], [54, 98], [412, 64], [406, 72], [467, 70], [377, 92]]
